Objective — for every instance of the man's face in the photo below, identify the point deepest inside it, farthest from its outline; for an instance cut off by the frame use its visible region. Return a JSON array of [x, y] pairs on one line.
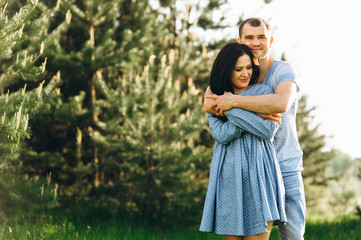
[[258, 39]]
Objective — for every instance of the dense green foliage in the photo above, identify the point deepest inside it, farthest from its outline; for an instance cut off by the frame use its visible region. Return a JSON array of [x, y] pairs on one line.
[[20, 66], [121, 125], [15, 65]]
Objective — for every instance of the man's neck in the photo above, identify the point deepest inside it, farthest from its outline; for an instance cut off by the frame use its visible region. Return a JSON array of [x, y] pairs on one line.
[[264, 66]]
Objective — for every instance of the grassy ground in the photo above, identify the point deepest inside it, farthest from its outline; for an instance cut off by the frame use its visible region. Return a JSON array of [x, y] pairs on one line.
[[345, 228]]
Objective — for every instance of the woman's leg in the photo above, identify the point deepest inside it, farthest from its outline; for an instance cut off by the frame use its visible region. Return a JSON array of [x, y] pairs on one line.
[[261, 236], [230, 237]]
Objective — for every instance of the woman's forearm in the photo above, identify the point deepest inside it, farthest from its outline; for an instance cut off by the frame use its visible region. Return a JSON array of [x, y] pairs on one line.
[[223, 132], [252, 123]]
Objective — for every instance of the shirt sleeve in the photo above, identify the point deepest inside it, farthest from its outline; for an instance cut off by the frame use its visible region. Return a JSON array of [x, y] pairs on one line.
[[223, 132], [252, 123], [286, 72]]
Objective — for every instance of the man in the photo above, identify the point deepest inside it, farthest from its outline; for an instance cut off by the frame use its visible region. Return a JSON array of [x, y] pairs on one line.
[[255, 33]]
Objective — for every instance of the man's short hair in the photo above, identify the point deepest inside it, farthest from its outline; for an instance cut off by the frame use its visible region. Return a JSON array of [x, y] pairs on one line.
[[254, 22]]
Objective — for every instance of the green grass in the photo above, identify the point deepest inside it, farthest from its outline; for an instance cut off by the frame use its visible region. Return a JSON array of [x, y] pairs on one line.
[[344, 228]]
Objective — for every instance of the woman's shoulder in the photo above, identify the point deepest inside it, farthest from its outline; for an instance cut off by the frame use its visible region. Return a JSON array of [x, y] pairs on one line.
[[261, 89]]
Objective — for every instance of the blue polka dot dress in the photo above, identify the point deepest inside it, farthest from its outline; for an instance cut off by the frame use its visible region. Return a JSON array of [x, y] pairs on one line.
[[245, 188]]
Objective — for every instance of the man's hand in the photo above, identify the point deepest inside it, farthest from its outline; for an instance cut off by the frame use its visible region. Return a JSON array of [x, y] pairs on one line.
[[223, 102], [214, 107], [210, 105], [272, 117]]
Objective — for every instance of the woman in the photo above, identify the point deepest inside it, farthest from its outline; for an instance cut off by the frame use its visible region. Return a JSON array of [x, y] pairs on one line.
[[245, 194]]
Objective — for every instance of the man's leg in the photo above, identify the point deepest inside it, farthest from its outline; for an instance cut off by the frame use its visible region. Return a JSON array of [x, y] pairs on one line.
[[295, 207]]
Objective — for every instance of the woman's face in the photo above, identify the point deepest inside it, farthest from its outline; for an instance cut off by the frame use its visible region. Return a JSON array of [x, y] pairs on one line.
[[241, 74]]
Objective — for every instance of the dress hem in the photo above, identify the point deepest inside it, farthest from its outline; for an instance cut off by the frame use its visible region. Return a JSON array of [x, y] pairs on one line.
[[276, 222]]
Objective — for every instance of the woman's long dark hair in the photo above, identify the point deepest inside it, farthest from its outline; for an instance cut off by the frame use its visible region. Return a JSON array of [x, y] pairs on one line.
[[220, 79]]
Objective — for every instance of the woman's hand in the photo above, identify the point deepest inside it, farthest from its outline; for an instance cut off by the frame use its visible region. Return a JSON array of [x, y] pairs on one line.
[[272, 117]]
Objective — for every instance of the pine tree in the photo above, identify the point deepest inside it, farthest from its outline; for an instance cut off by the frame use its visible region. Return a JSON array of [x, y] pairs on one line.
[[97, 39], [87, 134], [315, 158], [154, 160], [22, 66], [12, 69], [19, 66]]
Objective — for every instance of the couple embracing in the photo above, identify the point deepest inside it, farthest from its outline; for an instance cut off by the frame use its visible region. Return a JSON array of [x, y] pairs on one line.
[[255, 178]]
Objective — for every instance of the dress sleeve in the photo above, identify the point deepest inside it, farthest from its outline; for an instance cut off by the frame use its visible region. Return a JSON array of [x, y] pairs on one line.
[[223, 132], [252, 123]]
